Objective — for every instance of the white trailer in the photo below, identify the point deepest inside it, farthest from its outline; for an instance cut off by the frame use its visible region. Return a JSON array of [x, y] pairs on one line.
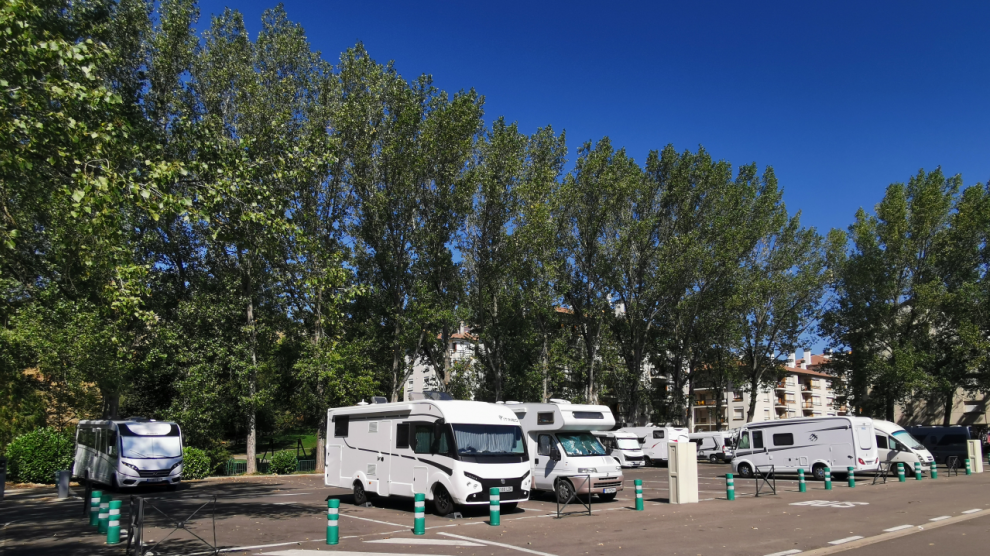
[[567, 457], [128, 453], [811, 444], [623, 446], [654, 440], [451, 451]]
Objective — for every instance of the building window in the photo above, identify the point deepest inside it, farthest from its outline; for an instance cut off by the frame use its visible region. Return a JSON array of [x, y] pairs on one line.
[[766, 414], [702, 416], [737, 413], [737, 396], [972, 407], [766, 397], [817, 400], [789, 397]]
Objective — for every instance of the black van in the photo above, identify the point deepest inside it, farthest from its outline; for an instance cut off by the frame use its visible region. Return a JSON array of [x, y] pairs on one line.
[[943, 442]]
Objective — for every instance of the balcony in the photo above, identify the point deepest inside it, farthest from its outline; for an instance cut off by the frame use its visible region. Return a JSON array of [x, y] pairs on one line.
[[704, 402], [807, 405], [779, 402], [781, 386], [805, 387]]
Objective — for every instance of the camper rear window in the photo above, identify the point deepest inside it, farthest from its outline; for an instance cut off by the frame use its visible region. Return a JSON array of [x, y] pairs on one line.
[[544, 418], [784, 439], [341, 425], [588, 415], [657, 434]]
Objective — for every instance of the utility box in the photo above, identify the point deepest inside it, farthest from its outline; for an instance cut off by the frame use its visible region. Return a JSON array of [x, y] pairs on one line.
[[682, 469], [975, 454], [62, 483]]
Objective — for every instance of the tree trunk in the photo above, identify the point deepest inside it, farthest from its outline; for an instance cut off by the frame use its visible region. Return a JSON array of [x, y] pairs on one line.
[[947, 411], [111, 404], [889, 409], [754, 391], [396, 357], [252, 446], [543, 359]]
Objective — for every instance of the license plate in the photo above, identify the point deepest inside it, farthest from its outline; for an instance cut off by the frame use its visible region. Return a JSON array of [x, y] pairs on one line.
[[154, 479], [608, 491], [505, 489]]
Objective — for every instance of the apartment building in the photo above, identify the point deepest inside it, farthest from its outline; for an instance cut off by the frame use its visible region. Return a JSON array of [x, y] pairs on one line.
[[802, 392], [424, 377]]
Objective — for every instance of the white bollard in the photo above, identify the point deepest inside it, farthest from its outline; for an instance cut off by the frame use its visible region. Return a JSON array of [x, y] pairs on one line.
[[975, 453], [682, 470]]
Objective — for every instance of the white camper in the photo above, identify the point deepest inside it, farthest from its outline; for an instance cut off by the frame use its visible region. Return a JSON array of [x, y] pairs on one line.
[[654, 440], [811, 444], [129, 453], [622, 446], [896, 445], [564, 447], [451, 451], [715, 447]]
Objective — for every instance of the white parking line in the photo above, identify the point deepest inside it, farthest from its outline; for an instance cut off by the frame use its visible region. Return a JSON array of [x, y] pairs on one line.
[[973, 511], [492, 543], [785, 553], [940, 518], [898, 528], [372, 520], [437, 542], [845, 540]]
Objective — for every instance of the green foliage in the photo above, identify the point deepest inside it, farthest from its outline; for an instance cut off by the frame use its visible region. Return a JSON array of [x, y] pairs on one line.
[[196, 464], [34, 457], [283, 463]]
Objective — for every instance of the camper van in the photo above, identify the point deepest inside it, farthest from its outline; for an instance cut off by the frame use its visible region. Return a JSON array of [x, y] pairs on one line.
[[715, 447], [811, 444], [622, 446], [562, 440], [654, 440], [896, 445], [451, 451], [129, 453], [943, 442]]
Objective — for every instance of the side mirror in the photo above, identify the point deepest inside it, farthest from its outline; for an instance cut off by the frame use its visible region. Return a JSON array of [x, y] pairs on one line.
[[554, 453]]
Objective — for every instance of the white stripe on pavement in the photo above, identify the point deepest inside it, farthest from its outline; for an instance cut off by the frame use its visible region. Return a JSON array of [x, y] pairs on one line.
[[438, 542], [898, 528], [845, 540], [520, 549], [785, 553], [940, 518], [973, 511]]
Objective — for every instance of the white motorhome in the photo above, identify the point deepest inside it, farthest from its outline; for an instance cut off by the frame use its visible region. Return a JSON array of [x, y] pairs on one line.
[[896, 445], [654, 440], [129, 453], [622, 446], [451, 451], [715, 447], [564, 447], [811, 444]]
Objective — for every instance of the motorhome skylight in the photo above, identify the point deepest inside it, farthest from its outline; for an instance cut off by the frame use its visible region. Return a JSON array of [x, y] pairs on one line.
[[588, 415]]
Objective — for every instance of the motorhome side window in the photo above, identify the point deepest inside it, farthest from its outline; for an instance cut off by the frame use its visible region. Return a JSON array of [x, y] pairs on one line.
[[657, 434], [785, 439], [882, 442], [588, 415], [402, 435], [757, 439], [744, 441], [341, 425], [422, 438], [546, 445], [544, 418], [111, 445]]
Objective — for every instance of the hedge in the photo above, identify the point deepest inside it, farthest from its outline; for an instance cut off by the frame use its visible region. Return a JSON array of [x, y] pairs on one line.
[[282, 463], [34, 457], [195, 464]]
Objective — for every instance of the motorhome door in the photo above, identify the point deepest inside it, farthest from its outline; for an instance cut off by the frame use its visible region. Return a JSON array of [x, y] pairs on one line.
[[543, 465]]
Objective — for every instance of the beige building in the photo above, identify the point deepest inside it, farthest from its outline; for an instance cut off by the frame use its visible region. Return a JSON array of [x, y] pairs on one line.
[[423, 377], [802, 392], [968, 408]]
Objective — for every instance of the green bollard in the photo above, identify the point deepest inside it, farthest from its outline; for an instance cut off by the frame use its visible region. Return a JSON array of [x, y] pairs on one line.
[[639, 494], [851, 472], [802, 487], [934, 470], [828, 478], [113, 523], [730, 487], [917, 470], [333, 514], [969, 467], [104, 513], [494, 508], [419, 525], [94, 508], [900, 472]]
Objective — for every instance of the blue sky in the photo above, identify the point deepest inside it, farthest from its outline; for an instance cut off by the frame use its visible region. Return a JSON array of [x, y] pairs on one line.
[[841, 99]]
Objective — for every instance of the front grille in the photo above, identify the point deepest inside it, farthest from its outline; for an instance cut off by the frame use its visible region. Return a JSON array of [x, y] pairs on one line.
[[608, 484], [517, 492], [156, 473], [634, 458]]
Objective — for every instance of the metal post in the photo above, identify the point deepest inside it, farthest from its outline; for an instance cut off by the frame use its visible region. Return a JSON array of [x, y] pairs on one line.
[[113, 524], [333, 514], [94, 508], [104, 513], [917, 470], [639, 494], [494, 500], [419, 523], [934, 470], [851, 472], [828, 478], [969, 467], [900, 472], [87, 502], [62, 484], [802, 487], [730, 487]]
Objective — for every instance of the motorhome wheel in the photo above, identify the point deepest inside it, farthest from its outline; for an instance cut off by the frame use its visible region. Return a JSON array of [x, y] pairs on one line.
[[360, 496], [443, 504], [565, 491], [606, 497], [745, 470], [648, 461], [818, 471], [713, 459]]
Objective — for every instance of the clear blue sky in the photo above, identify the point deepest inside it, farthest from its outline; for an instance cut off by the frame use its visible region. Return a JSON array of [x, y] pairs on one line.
[[841, 99]]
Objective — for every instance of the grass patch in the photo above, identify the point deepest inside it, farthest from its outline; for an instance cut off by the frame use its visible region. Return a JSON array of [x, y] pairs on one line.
[[286, 441]]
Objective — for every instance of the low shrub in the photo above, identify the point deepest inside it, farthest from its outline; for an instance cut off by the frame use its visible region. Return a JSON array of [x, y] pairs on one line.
[[195, 464], [34, 457], [282, 463], [219, 456]]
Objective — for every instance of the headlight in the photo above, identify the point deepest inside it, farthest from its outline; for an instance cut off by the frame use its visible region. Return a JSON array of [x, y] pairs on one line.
[[472, 476], [617, 468], [587, 470], [129, 465]]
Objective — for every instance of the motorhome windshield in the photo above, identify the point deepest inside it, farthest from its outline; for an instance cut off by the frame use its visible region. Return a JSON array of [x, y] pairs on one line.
[[494, 440], [146, 446], [627, 443], [905, 438], [580, 444]]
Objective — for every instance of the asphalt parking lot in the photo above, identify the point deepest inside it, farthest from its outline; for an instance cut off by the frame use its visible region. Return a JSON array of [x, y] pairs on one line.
[[286, 516]]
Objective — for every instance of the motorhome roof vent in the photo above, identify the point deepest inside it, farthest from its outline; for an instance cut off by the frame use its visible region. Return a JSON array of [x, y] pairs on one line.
[[379, 399], [136, 418], [362, 402], [559, 401]]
